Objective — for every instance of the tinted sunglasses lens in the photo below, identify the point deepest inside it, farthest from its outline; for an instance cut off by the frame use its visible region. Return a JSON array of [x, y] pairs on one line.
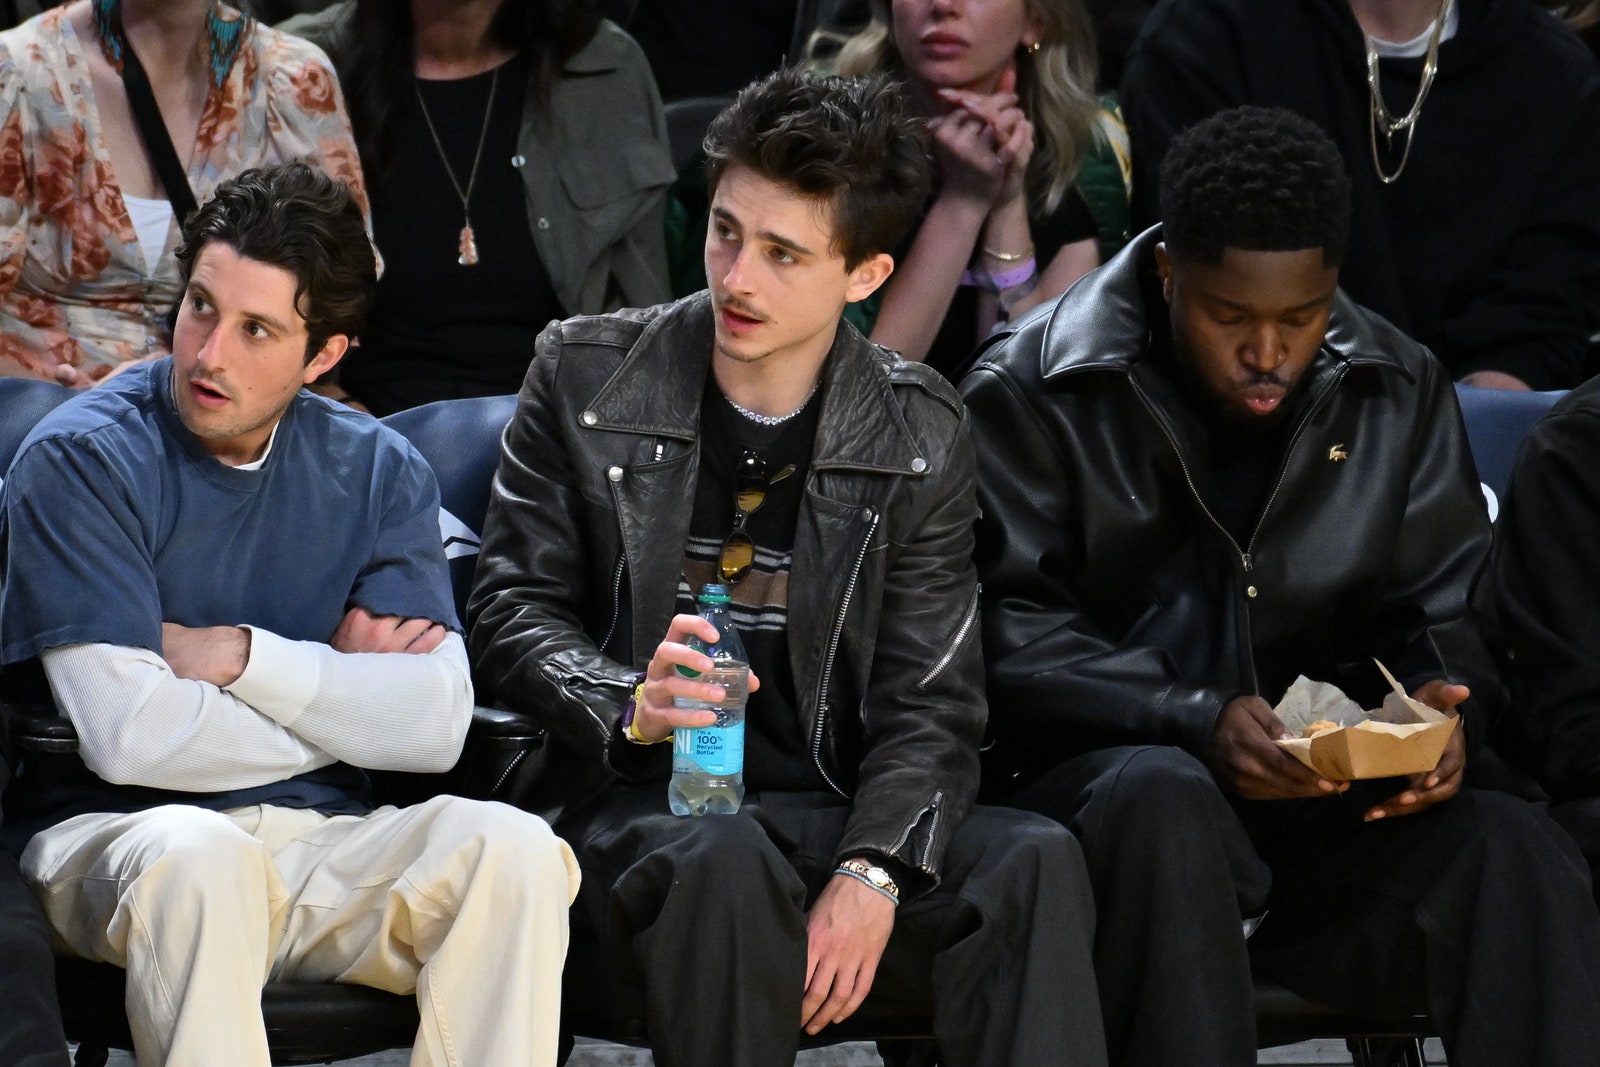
[[752, 497], [751, 479], [738, 554]]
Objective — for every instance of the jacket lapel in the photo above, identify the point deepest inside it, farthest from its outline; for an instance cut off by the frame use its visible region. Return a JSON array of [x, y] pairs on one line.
[[655, 393]]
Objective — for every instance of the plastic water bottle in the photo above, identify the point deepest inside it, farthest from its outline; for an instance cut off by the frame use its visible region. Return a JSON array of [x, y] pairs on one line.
[[708, 761]]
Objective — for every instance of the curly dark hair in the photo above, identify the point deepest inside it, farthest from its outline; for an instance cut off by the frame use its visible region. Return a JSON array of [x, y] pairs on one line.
[[1254, 178], [294, 217], [850, 141]]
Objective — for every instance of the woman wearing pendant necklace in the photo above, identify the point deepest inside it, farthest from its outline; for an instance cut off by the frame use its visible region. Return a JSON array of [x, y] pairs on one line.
[[113, 113], [517, 159], [1468, 128]]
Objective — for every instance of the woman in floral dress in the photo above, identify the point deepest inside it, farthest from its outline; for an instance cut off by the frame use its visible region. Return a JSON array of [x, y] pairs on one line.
[[87, 232]]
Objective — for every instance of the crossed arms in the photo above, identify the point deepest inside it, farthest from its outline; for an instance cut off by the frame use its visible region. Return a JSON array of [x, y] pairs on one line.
[[233, 707]]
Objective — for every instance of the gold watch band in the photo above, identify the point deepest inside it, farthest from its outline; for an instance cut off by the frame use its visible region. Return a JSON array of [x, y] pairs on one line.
[[872, 875]]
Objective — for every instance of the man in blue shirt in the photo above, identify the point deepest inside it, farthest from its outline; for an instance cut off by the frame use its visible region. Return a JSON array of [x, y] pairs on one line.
[[239, 596]]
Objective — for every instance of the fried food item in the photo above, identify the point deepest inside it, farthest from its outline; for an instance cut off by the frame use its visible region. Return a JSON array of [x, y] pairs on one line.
[[1321, 726]]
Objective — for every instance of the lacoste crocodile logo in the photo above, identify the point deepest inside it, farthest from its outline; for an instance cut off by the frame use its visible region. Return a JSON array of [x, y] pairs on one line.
[[1337, 454]]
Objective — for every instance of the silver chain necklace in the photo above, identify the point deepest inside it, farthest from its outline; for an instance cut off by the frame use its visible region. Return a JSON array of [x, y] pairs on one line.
[[467, 244], [772, 420], [1381, 117]]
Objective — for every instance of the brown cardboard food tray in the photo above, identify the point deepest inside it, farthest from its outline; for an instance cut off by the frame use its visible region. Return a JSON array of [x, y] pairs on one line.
[[1401, 737]]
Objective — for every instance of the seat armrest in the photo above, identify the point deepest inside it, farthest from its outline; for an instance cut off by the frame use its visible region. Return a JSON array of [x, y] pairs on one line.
[[32, 722], [498, 743], [39, 733]]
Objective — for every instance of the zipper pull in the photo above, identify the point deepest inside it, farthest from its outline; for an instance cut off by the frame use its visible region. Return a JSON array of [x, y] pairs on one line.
[[1245, 556]]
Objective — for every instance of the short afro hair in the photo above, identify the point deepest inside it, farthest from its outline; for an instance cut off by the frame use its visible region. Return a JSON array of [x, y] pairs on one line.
[[849, 141], [1258, 179]]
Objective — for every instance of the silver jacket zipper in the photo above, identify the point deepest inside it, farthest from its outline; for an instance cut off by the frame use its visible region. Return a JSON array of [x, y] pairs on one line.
[[562, 681], [960, 639], [616, 598], [833, 648], [934, 806], [1244, 554]]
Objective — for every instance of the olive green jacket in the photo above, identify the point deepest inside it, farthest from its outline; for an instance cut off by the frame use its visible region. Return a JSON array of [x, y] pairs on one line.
[[595, 162]]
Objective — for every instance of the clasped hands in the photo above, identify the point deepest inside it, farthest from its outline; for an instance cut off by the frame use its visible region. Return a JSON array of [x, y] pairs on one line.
[[219, 654], [983, 143], [1244, 753]]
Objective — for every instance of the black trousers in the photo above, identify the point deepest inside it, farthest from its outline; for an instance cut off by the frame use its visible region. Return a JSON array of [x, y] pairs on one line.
[[1476, 910], [1581, 819], [30, 1021], [700, 924]]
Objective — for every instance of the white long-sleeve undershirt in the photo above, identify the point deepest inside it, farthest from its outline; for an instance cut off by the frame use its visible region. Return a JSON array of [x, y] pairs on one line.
[[299, 705]]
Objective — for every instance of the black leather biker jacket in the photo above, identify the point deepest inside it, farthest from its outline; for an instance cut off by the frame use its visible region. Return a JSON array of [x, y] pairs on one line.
[[584, 542]]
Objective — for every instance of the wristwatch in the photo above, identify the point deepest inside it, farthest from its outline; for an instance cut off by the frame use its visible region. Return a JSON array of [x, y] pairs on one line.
[[876, 877]]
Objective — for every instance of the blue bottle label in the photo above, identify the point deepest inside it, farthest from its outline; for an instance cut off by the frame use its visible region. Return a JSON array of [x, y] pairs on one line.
[[713, 750]]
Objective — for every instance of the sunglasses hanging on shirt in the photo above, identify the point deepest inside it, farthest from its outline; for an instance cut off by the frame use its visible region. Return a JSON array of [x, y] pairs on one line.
[[751, 484]]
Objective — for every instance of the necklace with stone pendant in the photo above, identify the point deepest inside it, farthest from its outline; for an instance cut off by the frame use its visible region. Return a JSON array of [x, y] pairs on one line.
[[467, 245]]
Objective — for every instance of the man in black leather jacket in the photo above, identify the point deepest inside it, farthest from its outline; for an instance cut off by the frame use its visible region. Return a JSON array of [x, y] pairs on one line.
[[857, 863], [1545, 568], [1204, 472]]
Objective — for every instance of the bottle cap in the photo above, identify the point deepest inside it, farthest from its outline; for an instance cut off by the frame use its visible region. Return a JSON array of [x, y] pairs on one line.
[[714, 593]]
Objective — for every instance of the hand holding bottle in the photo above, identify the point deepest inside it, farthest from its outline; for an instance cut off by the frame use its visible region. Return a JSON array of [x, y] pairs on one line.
[[656, 716], [708, 760]]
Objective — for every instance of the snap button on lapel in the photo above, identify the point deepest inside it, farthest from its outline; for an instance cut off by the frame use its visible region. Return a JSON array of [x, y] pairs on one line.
[[589, 418], [1337, 454], [919, 465], [614, 473]]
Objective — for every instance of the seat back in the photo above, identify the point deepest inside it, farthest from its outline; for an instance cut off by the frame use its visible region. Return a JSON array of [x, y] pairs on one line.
[[1497, 421], [813, 15], [23, 402], [687, 120], [460, 439]]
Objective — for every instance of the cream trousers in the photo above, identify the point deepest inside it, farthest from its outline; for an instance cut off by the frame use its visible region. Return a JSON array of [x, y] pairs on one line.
[[462, 902]]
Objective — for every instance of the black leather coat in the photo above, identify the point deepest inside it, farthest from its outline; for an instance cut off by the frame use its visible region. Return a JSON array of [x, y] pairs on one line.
[[584, 543], [1117, 610]]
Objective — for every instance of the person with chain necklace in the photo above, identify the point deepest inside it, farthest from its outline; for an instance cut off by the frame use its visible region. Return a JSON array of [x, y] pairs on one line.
[[518, 161], [1467, 128], [116, 117], [748, 436]]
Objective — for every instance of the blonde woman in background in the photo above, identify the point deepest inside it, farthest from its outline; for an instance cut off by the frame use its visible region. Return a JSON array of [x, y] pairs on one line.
[[1008, 90]]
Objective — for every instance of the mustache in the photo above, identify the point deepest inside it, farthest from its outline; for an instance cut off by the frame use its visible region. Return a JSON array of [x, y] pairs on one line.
[[1271, 378], [741, 306]]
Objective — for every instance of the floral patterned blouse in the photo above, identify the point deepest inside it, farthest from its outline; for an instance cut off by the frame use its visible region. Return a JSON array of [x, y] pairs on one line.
[[73, 283]]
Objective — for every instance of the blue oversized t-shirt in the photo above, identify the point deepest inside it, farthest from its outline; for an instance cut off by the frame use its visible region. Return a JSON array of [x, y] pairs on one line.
[[115, 520]]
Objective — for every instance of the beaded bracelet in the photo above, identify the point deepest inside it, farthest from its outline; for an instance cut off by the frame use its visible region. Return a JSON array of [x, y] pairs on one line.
[[875, 888]]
